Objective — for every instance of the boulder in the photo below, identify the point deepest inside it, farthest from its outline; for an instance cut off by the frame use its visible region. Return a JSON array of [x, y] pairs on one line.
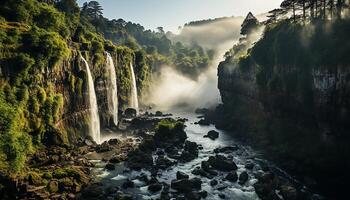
[[232, 177], [163, 162], [130, 112], [186, 185], [191, 147], [92, 191], [187, 156], [243, 177], [227, 149], [138, 160], [203, 122], [52, 186], [213, 182], [158, 114], [221, 163], [110, 167], [128, 184], [249, 165], [181, 175], [156, 187], [113, 142], [212, 135]]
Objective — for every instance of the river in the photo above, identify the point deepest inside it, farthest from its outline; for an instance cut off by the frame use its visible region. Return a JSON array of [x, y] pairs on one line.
[[195, 133]]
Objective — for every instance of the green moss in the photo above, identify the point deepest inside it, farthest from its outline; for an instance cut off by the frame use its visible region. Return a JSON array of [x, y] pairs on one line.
[[15, 144]]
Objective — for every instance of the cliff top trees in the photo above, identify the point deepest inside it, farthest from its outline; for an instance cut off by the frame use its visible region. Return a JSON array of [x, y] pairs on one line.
[[249, 24]]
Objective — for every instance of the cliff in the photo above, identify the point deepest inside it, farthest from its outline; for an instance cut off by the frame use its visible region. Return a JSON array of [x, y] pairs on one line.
[[290, 95]]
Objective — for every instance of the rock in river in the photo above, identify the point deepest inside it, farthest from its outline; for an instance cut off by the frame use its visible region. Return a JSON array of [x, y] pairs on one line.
[[212, 135], [181, 175], [221, 163]]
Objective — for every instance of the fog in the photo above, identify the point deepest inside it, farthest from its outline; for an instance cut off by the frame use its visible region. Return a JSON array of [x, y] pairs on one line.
[[173, 91]]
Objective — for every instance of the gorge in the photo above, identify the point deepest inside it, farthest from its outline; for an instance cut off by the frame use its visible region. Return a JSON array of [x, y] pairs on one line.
[[253, 107]]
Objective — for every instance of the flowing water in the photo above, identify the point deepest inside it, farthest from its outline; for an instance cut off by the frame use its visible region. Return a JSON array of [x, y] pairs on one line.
[[94, 117], [134, 102], [195, 133], [112, 90]]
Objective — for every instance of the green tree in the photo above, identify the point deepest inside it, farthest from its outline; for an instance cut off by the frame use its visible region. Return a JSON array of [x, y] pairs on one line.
[[249, 24]]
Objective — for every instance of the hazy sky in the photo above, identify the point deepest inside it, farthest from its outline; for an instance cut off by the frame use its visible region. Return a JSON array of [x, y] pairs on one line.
[[173, 13]]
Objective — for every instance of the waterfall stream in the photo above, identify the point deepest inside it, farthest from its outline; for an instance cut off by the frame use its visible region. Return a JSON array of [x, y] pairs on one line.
[[112, 90], [94, 117], [134, 102]]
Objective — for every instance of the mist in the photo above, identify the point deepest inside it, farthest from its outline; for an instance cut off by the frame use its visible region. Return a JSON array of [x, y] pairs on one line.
[[173, 91]]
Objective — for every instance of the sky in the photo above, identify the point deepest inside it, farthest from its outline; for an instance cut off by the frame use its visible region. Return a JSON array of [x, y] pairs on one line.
[[171, 14]]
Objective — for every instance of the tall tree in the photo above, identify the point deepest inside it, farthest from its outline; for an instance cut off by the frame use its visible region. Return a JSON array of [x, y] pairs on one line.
[[249, 24], [93, 9]]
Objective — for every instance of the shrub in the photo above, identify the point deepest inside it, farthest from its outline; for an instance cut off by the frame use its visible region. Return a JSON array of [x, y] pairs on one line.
[[15, 144]]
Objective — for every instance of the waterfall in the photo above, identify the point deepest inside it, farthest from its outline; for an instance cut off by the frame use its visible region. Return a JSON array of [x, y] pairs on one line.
[[134, 102], [112, 90], [94, 117]]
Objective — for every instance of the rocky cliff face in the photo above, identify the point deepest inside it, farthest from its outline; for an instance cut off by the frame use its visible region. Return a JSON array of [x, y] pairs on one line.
[[69, 80], [330, 87]]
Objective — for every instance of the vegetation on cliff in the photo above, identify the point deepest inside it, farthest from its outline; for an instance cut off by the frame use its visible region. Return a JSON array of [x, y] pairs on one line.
[[289, 90]]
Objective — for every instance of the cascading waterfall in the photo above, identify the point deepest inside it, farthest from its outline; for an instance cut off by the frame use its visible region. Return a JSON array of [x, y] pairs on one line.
[[112, 90], [94, 117], [134, 102]]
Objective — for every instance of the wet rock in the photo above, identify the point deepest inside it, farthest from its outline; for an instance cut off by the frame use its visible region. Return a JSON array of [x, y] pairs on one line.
[[201, 172], [92, 191], [181, 175], [249, 165], [196, 183], [163, 162], [227, 149], [35, 179], [111, 190], [186, 185], [52, 186], [243, 177], [148, 145], [130, 112], [113, 142], [143, 177], [128, 184], [288, 192], [138, 160], [122, 196], [193, 196], [266, 186], [168, 135], [183, 185], [222, 196], [110, 167], [191, 147], [206, 166], [152, 180], [164, 195], [203, 122], [155, 187], [187, 156], [213, 135], [213, 182], [105, 147], [158, 114], [221, 163], [232, 177], [203, 194], [115, 159], [160, 152]]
